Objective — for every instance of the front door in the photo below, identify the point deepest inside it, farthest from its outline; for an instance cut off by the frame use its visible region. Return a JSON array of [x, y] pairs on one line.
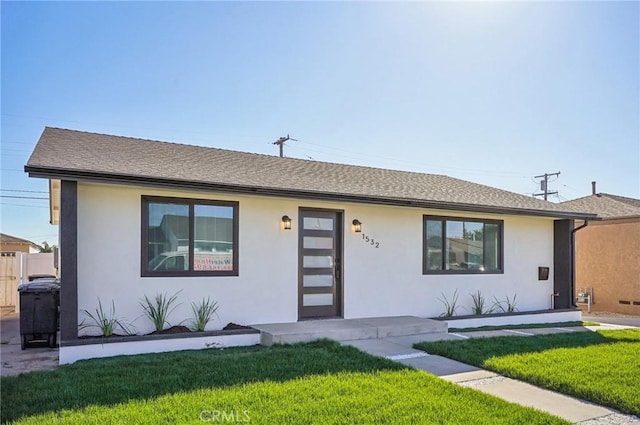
[[319, 264]]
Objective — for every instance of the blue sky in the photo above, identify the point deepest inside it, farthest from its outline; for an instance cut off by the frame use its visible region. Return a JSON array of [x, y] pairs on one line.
[[493, 92]]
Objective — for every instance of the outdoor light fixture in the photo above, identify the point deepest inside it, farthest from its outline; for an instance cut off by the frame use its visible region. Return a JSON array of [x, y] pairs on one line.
[[286, 222], [357, 226]]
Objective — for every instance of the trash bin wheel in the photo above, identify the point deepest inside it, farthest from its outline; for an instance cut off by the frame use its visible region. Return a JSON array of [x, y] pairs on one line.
[[23, 341], [52, 340]]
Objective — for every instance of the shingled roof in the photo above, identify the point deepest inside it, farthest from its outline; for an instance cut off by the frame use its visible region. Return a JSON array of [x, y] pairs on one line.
[[606, 205], [77, 155]]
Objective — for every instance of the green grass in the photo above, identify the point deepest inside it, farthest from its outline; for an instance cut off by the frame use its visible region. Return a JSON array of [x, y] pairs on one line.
[[321, 382], [603, 366], [525, 326]]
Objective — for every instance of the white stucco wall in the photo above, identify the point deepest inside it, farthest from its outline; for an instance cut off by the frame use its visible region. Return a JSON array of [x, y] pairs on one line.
[[390, 279], [377, 282]]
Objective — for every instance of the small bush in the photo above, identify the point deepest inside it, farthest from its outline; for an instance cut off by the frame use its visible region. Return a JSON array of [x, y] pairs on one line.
[[203, 313], [450, 306], [159, 309], [478, 304], [506, 306], [108, 323]]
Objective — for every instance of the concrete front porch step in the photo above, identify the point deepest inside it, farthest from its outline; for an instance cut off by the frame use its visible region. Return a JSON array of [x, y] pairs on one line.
[[346, 329]]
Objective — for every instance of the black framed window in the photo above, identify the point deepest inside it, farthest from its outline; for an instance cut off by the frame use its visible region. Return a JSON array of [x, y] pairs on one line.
[[454, 245], [189, 237]]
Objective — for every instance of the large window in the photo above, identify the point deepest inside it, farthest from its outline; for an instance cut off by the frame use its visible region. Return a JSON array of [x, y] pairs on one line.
[[189, 237], [461, 245]]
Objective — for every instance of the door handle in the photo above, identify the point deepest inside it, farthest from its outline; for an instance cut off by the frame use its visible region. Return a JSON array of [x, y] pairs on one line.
[[336, 268]]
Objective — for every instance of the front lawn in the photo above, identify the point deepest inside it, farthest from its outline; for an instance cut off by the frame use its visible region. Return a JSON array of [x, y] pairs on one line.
[[603, 366], [321, 382]]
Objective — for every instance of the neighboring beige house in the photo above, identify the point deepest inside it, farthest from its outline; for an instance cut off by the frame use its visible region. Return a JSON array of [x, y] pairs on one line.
[[10, 243], [608, 254]]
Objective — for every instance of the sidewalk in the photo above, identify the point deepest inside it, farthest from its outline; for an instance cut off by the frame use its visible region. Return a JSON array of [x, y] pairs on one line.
[[401, 349]]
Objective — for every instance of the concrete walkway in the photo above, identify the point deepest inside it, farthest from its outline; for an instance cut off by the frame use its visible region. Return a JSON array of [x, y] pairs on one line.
[[612, 319], [14, 360], [401, 349]]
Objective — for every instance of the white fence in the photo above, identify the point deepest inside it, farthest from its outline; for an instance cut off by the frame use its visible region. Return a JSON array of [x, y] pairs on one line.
[[15, 268]]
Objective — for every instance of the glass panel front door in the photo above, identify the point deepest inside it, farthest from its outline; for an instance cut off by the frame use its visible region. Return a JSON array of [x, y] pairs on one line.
[[319, 263]]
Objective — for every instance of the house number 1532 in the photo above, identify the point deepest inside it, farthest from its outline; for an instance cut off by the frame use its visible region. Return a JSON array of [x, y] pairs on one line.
[[370, 241]]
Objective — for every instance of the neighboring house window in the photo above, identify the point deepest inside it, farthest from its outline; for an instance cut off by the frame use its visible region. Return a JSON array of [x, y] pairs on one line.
[[462, 245], [189, 237]]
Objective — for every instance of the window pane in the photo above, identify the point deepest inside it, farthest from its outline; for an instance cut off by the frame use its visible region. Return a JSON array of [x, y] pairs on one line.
[[492, 247], [312, 280], [312, 261], [434, 244], [473, 236], [310, 242], [464, 245], [168, 236], [455, 246], [316, 223], [309, 300], [213, 237]]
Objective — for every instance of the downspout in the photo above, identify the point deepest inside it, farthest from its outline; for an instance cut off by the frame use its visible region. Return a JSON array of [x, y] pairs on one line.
[[573, 262]]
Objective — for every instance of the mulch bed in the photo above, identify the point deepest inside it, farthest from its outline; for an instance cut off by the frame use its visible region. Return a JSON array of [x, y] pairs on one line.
[[235, 327], [172, 330]]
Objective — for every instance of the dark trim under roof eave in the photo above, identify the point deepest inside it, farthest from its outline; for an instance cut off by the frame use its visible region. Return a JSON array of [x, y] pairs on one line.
[[291, 193]]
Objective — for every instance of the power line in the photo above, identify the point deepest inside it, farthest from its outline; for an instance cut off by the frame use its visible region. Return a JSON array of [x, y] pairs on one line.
[[360, 155], [22, 205], [357, 154], [25, 149], [26, 191], [23, 197], [4, 142], [572, 189]]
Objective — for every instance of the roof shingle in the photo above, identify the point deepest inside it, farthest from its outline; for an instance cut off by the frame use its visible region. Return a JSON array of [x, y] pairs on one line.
[[61, 151], [606, 205]]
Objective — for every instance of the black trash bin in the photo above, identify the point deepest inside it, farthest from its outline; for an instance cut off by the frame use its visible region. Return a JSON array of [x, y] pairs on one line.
[[39, 303]]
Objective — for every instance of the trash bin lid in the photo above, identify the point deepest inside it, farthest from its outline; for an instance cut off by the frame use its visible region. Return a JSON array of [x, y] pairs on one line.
[[33, 277], [40, 285]]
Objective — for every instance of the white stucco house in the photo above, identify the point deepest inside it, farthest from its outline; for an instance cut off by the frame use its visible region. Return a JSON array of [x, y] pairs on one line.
[[282, 240]]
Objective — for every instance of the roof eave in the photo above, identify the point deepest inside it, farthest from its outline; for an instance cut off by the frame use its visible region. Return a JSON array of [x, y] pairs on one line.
[[62, 174], [622, 217]]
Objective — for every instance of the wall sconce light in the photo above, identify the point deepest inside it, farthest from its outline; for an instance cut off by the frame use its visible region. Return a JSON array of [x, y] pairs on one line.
[[286, 222], [543, 273], [357, 226]]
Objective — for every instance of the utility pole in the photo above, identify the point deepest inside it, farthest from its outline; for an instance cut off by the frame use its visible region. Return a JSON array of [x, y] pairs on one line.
[[280, 143], [544, 185]]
